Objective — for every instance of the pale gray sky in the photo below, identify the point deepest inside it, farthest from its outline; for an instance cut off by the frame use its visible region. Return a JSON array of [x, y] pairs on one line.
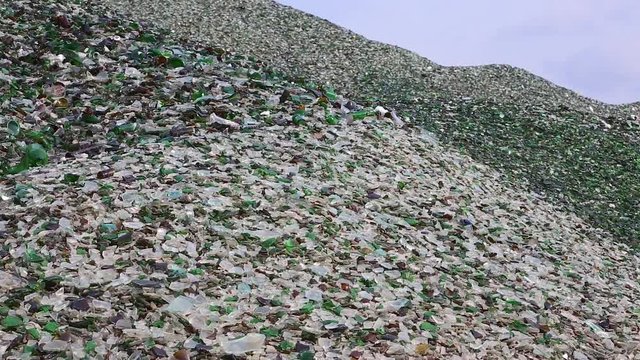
[[590, 46]]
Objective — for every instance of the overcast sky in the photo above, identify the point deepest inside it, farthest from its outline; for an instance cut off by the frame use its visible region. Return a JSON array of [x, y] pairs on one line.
[[590, 46]]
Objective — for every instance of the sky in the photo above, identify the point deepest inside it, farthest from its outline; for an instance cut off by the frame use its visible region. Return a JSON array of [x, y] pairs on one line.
[[589, 46]]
